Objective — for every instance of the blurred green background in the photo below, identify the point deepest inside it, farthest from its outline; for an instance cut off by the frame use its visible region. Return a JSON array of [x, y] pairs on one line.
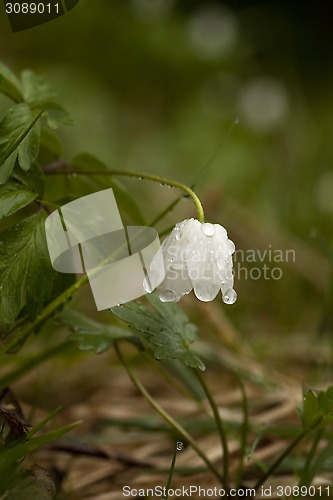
[[233, 96]]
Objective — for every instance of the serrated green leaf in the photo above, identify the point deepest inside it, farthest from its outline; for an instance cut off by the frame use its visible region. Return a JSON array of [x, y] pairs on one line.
[[9, 84], [310, 407], [18, 139], [166, 329], [125, 201], [325, 402], [92, 335], [26, 274], [13, 197], [54, 114], [35, 88], [33, 180], [29, 148], [41, 97], [7, 168], [317, 407]]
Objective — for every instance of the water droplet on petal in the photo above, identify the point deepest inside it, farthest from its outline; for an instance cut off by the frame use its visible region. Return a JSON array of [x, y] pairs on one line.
[[168, 296], [230, 296], [178, 234], [231, 246], [208, 229]]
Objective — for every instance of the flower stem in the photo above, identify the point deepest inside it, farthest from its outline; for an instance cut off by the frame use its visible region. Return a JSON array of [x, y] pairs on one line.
[[168, 418], [304, 481], [244, 431], [65, 169], [220, 428], [286, 452], [170, 476]]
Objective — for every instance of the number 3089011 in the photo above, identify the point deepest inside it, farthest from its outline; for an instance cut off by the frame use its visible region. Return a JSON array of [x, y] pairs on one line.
[[32, 8]]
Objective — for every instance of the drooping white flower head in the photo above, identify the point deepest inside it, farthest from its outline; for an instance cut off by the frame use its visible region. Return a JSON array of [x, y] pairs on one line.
[[196, 256]]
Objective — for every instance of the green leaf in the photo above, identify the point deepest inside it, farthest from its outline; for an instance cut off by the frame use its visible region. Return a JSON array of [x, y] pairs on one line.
[[13, 197], [26, 274], [310, 407], [125, 200], [33, 180], [29, 148], [41, 97], [9, 84], [7, 167], [18, 139], [23, 446], [51, 143], [166, 329], [92, 335], [317, 407], [325, 402], [54, 114]]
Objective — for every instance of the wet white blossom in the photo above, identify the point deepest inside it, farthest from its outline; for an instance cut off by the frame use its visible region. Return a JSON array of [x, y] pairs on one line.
[[195, 256]]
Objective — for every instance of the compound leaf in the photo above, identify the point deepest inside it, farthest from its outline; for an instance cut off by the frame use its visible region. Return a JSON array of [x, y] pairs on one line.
[[41, 98], [19, 138], [92, 335], [26, 274], [13, 197], [166, 329], [9, 84]]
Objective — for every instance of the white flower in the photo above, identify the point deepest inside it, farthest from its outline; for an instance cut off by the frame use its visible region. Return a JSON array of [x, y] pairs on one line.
[[196, 256]]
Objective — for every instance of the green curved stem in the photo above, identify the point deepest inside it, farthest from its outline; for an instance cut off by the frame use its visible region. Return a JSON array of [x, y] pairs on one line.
[[220, 428], [170, 476], [70, 170], [48, 203], [286, 452], [244, 431], [168, 418]]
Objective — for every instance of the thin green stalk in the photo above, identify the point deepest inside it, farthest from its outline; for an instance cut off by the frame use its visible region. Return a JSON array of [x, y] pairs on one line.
[[70, 170], [304, 476], [220, 428], [48, 203], [165, 211], [171, 471], [168, 418], [244, 430], [286, 452]]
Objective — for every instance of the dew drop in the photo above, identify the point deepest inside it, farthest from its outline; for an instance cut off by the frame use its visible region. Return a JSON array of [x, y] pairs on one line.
[[231, 247], [180, 446], [168, 296], [208, 229], [230, 296], [178, 234]]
